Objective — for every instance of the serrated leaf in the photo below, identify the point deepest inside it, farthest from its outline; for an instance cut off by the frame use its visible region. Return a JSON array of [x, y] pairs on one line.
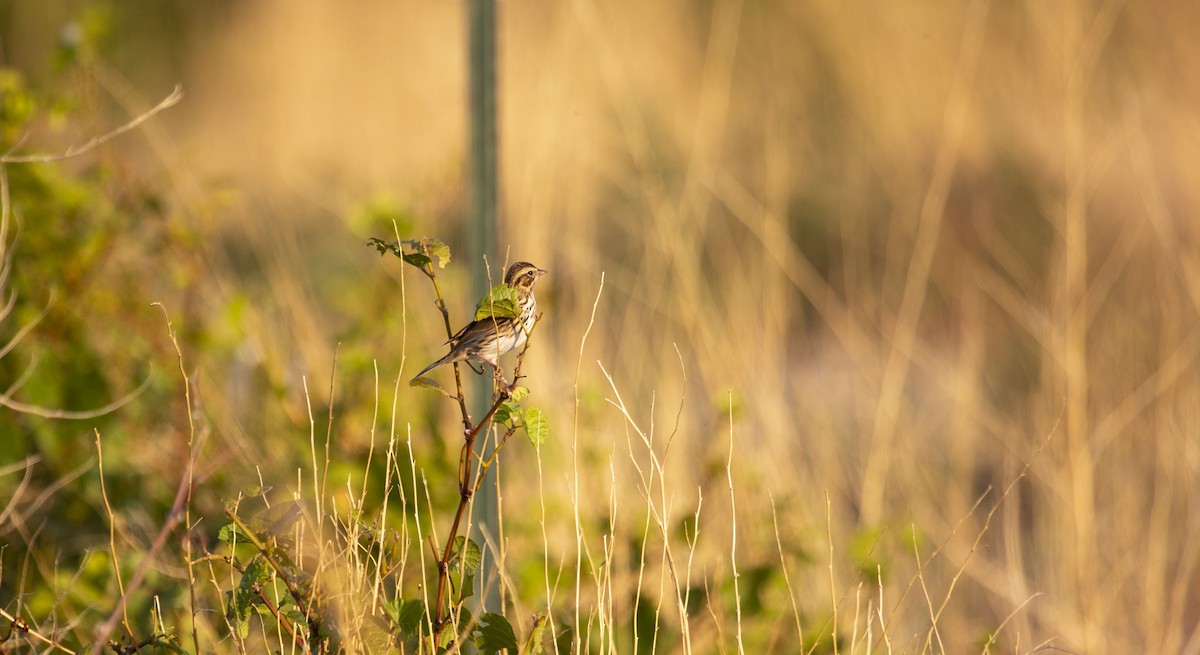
[[405, 615], [292, 613], [253, 491], [500, 302], [494, 633], [439, 250], [416, 259], [376, 637], [463, 586], [420, 252], [276, 519], [257, 572], [243, 599], [384, 246], [429, 383], [231, 532], [242, 626], [471, 556], [518, 394], [536, 427], [409, 618], [506, 412], [445, 639], [533, 645]]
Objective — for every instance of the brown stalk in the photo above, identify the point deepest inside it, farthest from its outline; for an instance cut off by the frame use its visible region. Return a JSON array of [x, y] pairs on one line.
[[466, 487]]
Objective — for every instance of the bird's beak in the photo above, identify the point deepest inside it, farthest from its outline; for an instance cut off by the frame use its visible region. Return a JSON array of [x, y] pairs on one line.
[[542, 272]]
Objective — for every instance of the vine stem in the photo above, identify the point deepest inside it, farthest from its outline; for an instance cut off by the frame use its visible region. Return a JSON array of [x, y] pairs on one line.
[[466, 489]]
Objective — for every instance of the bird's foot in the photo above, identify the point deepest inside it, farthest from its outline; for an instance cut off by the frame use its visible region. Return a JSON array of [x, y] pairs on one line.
[[505, 387]]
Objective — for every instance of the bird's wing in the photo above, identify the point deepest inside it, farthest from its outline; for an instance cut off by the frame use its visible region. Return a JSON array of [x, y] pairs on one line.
[[459, 335]]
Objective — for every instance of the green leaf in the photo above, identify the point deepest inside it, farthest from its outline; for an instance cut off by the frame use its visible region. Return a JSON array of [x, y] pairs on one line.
[[507, 411], [429, 383], [231, 532], [494, 633], [276, 519], [409, 616], [471, 555], [463, 586], [518, 394], [536, 427], [384, 246], [501, 302], [416, 259], [244, 597], [420, 252], [533, 645], [376, 637], [292, 613], [253, 491], [439, 250], [257, 572]]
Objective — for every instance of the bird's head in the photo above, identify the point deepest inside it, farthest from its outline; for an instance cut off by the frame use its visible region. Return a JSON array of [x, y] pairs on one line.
[[522, 275]]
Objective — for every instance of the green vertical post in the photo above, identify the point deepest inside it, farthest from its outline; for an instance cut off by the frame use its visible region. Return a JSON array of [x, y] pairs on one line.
[[481, 237]]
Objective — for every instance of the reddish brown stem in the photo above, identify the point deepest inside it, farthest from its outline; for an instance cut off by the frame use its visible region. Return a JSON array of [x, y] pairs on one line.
[[466, 491]]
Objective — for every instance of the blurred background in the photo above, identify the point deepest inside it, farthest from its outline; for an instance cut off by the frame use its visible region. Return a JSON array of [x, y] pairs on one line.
[[932, 267]]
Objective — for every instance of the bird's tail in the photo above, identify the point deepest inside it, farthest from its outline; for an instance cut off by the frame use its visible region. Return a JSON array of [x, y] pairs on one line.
[[445, 360]]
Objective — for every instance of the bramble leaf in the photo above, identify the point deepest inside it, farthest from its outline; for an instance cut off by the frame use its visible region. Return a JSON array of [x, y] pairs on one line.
[[471, 555], [416, 259], [439, 250], [533, 645], [277, 519], [422, 251], [501, 302], [230, 532], [384, 246], [518, 394], [405, 615], [494, 633], [536, 427], [429, 383]]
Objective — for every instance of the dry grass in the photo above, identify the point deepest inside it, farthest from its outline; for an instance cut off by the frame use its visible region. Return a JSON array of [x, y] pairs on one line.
[[914, 287]]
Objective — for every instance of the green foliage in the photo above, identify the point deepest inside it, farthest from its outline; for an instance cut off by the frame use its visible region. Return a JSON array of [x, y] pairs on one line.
[[494, 633], [244, 601], [500, 302], [406, 615], [532, 420], [467, 554], [535, 426], [430, 383], [518, 394], [417, 252], [533, 645]]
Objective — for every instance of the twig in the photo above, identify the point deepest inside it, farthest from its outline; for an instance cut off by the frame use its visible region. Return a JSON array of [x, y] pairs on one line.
[[21, 626], [302, 603], [75, 151], [466, 488], [82, 415], [192, 448], [174, 516]]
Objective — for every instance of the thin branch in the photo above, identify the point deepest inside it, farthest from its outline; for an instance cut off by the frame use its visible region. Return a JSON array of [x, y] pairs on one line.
[[45, 412], [20, 626], [75, 151]]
